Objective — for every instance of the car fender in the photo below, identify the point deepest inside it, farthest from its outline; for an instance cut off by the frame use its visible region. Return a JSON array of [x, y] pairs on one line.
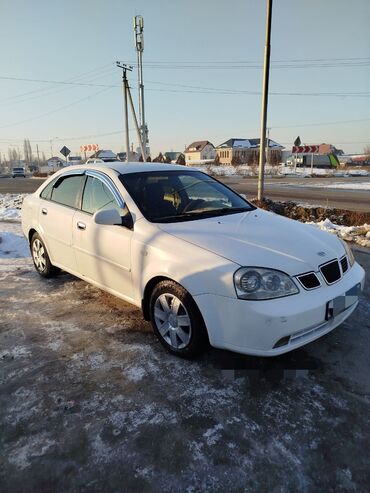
[[158, 254]]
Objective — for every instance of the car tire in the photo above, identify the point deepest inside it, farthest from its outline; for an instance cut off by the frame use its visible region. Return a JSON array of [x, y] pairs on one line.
[[41, 259], [176, 320]]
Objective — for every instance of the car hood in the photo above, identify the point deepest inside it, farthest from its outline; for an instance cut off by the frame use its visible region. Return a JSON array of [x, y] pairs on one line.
[[261, 239]]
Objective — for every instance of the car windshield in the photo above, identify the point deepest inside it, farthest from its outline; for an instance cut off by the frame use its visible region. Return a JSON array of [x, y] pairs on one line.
[[173, 196]]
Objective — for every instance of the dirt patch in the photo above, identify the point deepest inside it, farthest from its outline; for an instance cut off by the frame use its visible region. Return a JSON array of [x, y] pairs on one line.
[[304, 213]]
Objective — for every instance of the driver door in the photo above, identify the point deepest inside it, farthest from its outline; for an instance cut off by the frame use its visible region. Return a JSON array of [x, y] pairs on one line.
[[103, 252]]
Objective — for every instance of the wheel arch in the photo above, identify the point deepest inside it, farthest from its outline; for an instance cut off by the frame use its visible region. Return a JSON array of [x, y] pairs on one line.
[[150, 285], [31, 232]]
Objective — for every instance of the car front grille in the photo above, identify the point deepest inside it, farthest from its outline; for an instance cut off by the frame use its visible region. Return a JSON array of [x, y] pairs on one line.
[[309, 280], [344, 264], [331, 271]]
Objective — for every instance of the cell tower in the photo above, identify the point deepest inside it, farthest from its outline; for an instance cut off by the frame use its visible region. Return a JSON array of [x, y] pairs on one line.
[[139, 43]]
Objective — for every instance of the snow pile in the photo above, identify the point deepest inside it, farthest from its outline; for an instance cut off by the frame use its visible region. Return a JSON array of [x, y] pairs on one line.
[[10, 206], [355, 234], [240, 170]]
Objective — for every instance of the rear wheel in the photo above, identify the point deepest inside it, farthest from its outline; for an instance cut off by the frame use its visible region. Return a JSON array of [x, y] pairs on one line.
[[176, 320], [41, 258]]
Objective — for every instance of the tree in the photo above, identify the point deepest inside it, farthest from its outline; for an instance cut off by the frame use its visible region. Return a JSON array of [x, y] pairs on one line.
[[27, 150], [367, 152], [235, 161], [141, 158], [159, 158], [181, 160], [217, 159], [168, 159], [148, 159]]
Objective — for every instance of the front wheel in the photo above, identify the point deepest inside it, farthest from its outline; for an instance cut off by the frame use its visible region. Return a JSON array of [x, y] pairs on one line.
[[176, 320], [41, 258]]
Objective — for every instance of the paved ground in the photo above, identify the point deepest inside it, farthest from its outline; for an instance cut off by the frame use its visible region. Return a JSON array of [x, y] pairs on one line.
[[90, 401], [298, 189], [306, 190]]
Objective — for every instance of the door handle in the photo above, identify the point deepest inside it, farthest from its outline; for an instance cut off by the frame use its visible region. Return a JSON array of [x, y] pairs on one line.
[[81, 225], [44, 211]]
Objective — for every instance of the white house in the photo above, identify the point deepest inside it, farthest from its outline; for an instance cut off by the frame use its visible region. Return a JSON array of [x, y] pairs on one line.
[[199, 151]]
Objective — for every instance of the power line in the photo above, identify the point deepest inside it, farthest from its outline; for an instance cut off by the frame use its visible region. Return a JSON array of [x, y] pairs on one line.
[[89, 73], [197, 89], [55, 110]]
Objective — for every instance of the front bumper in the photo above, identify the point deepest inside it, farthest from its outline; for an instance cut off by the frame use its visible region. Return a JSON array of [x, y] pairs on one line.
[[255, 327]]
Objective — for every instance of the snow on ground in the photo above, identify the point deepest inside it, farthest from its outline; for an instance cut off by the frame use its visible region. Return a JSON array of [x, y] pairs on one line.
[[246, 170], [356, 234], [348, 186], [306, 172], [14, 250], [10, 206], [345, 186]]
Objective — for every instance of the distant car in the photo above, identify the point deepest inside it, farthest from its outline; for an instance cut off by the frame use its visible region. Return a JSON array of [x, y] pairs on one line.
[[102, 160], [94, 161], [18, 172], [202, 262]]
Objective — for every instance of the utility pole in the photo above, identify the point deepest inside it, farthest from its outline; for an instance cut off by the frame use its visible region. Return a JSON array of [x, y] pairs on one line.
[[125, 88], [143, 153], [265, 87], [139, 44]]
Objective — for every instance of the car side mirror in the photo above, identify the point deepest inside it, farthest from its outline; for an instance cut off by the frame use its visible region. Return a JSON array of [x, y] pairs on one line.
[[111, 217]]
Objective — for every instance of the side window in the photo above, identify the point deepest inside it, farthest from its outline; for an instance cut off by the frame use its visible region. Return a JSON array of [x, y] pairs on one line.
[[66, 190], [46, 193], [97, 196]]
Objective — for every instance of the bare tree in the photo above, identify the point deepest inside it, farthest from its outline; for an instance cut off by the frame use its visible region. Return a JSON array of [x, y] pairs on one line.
[[159, 158], [181, 160], [367, 152]]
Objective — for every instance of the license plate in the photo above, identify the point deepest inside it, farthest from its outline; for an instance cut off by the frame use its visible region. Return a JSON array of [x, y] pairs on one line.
[[341, 303]]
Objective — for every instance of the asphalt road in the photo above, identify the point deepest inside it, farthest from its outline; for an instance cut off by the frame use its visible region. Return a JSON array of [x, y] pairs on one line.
[[305, 191], [91, 402], [297, 189]]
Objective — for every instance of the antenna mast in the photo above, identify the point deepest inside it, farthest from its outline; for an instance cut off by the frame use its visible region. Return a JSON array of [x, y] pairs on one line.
[[139, 43]]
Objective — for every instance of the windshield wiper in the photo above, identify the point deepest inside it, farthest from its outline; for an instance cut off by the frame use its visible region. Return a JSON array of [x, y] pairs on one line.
[[207, 213]]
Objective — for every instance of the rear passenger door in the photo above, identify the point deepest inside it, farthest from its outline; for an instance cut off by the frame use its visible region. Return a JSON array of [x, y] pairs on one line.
[[59, 201]]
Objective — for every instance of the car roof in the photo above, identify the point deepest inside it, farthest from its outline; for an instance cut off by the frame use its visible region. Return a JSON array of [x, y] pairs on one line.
[[124, 168]]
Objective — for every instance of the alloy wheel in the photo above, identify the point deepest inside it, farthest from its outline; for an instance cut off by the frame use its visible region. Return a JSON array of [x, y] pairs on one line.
[[172, 320], [38, 255]]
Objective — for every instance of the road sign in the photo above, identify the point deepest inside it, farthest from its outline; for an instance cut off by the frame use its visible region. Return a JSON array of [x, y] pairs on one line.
[[65, 151], [89, 148], [297, 141], [305, 149]]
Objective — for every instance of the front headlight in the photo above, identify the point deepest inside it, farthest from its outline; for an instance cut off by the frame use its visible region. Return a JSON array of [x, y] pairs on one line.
[[349, 253], [256, 283]]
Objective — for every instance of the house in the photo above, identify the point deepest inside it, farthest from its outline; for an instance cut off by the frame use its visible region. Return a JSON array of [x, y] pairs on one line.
[[105, 155], [246, 151], [173, 156], [200, 151]]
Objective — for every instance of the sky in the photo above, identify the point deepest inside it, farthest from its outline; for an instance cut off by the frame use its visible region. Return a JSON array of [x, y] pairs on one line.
[[202, 72]]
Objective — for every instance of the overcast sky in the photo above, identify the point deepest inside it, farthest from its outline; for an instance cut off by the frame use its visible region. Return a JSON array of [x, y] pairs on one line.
[[202, 72]]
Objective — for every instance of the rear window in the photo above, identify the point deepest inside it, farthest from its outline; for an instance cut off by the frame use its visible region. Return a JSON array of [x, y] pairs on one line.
[[66, 190]]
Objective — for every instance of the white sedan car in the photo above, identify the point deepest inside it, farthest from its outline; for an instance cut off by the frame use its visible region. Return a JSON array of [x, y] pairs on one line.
[[201, 261]]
